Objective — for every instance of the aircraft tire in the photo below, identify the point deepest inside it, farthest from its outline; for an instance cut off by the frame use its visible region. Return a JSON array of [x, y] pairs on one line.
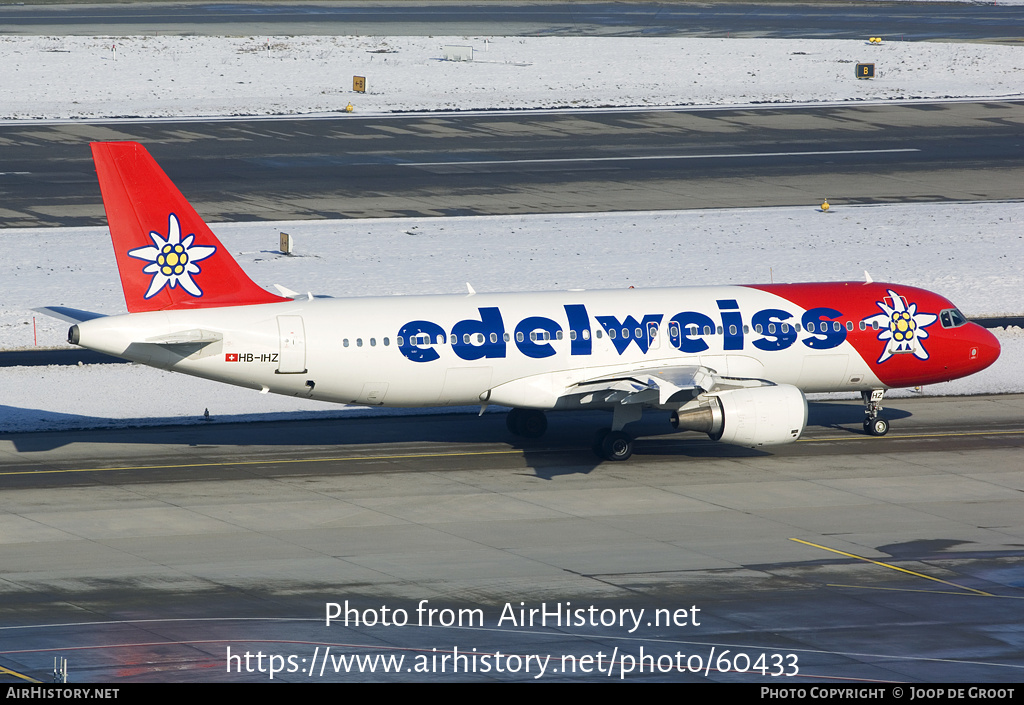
[[528, 423], [617, 446], [512, 422], [876, 427]]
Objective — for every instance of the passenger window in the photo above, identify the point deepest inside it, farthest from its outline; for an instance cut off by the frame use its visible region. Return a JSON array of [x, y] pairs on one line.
[[345, 342], [359, 342], [387, 342], [373, 342]]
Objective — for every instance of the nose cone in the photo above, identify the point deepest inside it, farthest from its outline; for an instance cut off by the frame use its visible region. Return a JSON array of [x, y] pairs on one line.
[[984, 350]]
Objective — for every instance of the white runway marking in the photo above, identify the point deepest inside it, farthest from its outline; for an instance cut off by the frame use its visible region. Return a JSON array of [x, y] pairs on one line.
[[579, 160]]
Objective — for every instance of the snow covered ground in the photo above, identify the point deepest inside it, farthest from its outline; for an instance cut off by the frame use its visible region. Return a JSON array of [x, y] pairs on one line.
[[91, 77], [968, 252]]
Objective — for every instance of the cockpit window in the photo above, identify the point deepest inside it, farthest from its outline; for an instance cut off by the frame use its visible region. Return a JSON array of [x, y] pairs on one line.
[[952, 318]]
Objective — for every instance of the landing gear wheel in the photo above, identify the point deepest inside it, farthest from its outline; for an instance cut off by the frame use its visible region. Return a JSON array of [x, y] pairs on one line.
[[528, 423], [617, 446], [876, 427]]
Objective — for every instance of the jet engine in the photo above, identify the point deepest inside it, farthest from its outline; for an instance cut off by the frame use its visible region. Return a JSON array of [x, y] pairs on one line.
[[750, 416]]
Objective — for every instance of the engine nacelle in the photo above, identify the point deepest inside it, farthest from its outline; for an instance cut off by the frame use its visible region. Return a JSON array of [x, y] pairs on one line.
[[751, 417]]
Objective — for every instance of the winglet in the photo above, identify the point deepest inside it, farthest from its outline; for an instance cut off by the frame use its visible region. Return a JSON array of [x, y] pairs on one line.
[[167, 256]]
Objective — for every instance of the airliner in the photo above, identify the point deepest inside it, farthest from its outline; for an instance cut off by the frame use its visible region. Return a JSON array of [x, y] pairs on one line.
[[734, 362]]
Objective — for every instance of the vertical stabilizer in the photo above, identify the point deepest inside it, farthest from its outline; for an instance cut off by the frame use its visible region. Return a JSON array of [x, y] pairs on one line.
[[167, 256]]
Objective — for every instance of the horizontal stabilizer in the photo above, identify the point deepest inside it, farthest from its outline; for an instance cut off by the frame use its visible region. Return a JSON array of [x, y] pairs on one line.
[[71, 315]]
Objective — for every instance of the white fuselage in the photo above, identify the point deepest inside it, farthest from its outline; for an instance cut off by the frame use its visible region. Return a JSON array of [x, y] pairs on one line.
[[522, 350]]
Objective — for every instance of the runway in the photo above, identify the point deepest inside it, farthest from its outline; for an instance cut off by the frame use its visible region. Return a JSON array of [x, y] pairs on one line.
[[541, 162], [926, 21], [145, 554]]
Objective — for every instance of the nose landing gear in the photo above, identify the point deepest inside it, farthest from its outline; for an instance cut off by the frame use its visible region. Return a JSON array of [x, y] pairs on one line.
[[874, 425]]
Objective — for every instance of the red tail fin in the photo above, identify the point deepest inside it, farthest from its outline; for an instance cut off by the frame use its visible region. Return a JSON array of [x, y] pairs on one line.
[[167, 256]]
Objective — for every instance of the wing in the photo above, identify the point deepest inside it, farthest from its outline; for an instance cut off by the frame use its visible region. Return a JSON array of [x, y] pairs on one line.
[[665, 387], [661, 386]]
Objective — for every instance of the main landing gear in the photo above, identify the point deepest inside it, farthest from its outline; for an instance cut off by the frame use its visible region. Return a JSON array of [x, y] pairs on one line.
[[609, 443], [874, 424], [528, 423], [613, 445]]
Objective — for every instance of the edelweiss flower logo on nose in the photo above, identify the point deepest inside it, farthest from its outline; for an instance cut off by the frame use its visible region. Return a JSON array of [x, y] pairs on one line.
[[902, 327], [172, 260]]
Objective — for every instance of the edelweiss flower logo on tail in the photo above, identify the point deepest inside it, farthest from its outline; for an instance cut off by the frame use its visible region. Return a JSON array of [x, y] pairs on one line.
[[902, 327], [173, 261]]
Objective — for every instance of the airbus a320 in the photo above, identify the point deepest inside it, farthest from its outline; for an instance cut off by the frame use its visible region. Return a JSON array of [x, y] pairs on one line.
[[733, 362]]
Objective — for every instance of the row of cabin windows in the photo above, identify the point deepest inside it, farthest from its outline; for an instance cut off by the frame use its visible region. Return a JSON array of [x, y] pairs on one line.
[[543, 335], [373, 342]]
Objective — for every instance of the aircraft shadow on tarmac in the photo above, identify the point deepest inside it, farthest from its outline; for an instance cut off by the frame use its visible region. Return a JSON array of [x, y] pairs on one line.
[[566, 448]]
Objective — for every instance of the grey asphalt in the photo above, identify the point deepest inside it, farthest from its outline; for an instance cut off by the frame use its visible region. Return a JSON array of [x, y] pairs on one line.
[[474, 164], [894, 21], [144, 555]]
